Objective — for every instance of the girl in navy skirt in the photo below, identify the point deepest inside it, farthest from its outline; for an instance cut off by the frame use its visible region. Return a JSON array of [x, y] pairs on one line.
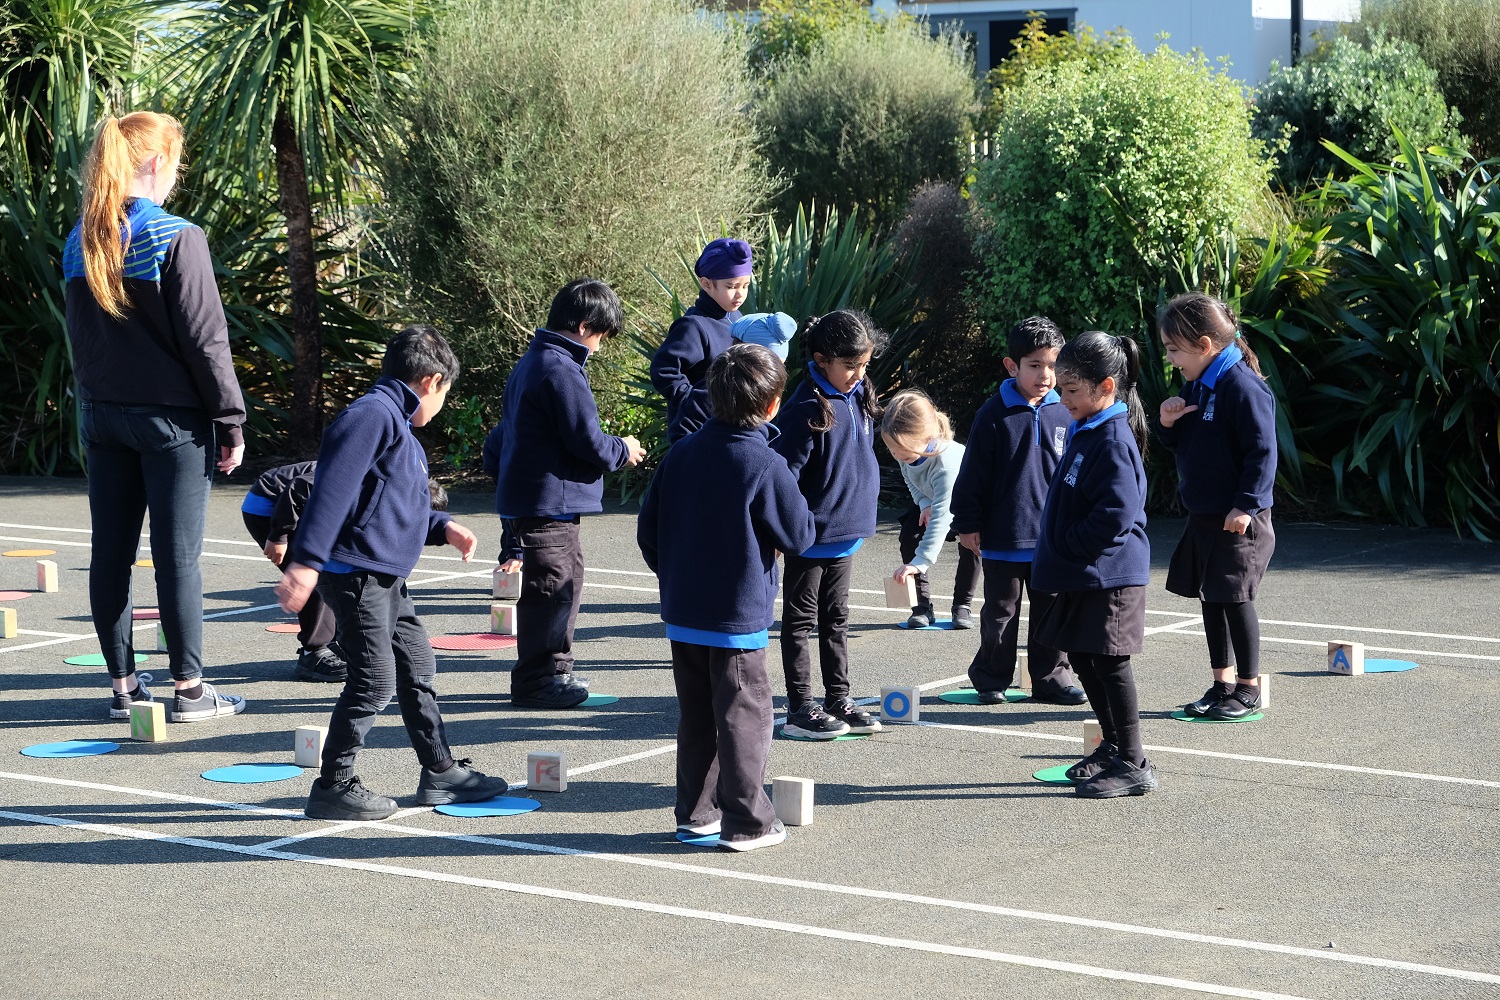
[[1222, 429], [1093, 554]]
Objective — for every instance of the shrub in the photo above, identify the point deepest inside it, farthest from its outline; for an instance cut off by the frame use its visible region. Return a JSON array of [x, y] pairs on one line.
[[545, 139], [781, 32], [1103, 175], [1034, 49], [869, 116], [1351, 96], [1460, 39]]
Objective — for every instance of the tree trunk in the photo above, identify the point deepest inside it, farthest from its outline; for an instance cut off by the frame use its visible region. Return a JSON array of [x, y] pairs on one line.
[[302, 270]]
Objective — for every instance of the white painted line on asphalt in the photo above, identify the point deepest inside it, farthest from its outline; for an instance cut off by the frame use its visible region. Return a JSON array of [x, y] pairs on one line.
[[47, 527], [1185, 623], [55, 635], [46, 541], [170, 796], [628, 758], [905, 944], [326, 831], [1323, 644]]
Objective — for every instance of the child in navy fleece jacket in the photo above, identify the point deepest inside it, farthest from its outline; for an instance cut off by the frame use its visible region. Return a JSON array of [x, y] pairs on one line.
[[1223, 430], [1014, 445], [701, 334], [828, 440], [552, 460], [362, 531], [1093, 553], [720, 506]]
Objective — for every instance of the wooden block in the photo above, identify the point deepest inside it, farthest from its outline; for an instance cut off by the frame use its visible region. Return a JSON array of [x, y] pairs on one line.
[[1093, 735], [7, 623], [793, 799], [900, 703], [46, 576], [1265, 690], [148, 722], [161, 639], [503, 619], [505, 586], [901, 595], [307, 745], [546, 771], [1346, 657]]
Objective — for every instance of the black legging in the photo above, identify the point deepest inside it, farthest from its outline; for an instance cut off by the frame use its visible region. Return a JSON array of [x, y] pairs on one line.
[[1110, 684], [1233, 637]]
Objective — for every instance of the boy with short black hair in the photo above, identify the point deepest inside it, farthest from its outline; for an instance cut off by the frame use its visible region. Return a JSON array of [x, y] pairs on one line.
[[702, 333], [551, 460], [1015, 444], [720, 506], [362, 531]]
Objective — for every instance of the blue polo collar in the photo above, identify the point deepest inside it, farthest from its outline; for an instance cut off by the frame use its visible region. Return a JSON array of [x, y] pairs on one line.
[[1108, 413], [826, 386], [1013, 397], [1227, 359]]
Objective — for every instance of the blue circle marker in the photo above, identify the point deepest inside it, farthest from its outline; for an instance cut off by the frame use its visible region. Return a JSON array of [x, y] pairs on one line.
[[71, 748], [1388, 666], [698, 839], [940, 625], [251, 774], [895, 706], [595, 700], [500, 806]]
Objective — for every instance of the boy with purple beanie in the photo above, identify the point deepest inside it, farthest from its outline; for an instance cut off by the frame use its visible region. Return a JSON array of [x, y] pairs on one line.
[[680, 368]]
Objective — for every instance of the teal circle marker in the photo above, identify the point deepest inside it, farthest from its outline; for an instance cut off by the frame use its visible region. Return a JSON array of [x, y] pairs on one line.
[[71, 748], [1053, 775], [940, 625], [698, 839], [96, 659], [781, 734], [502, 805], [253, 774], [1182, 716], [595, 700], [968, 696], [1388, 666]]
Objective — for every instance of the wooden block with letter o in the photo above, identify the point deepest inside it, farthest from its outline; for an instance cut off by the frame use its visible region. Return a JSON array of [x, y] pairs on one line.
[[900, 703]]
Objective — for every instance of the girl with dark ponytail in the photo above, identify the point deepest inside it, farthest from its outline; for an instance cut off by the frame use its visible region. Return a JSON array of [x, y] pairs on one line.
[[1093, 553], [1222, 428], [827, 436]]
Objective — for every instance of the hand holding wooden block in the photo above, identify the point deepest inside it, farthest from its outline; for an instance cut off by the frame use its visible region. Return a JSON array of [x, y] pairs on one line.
[[148, 722], [901, 595], [793, 800], [546, 771], [505, 586], [46, 576]]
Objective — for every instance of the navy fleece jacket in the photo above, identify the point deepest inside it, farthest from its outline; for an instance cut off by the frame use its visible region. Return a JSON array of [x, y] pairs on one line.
[[680, 366], [552, 454], [721, 504], [280, 494], [370, 507], [1012, 452], [1226, 449], [835, 469], [1094, 525]]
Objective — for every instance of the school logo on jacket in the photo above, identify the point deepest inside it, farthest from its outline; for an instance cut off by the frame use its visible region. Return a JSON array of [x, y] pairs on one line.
[[1059, 439], [1072, 477], [1208, 410]]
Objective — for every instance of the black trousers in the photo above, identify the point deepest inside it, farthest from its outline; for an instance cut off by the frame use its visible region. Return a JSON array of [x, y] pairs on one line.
[[723, 738], [1109, 682], [389, 655], [551, 592], [318, 628], [161, 459], [965, 580], [815, 592], [994, 666]]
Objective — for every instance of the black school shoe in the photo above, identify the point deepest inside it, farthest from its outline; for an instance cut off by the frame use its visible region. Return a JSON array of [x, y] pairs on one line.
[[1119, 778], [1211, 697], [1237, 704], [990, 697], [460, 783], [322, 666], [857, 719], [1070, 695], [1092, 764], [566, 691], [347, 800], [809, 722], [963, 617], [922, 616]]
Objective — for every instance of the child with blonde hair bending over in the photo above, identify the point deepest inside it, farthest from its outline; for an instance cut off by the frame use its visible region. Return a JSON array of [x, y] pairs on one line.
[[919, 437]]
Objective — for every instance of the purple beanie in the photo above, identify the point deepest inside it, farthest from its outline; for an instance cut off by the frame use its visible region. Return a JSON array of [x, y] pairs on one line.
[[724, 258]]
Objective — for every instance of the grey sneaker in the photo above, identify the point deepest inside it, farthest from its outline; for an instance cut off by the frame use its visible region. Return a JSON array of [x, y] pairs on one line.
[[120, 702], [770, 838], [347, 800], [460, 783], [210, 705]]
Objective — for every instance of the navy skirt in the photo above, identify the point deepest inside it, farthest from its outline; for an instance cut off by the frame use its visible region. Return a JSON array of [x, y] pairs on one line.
[[1105, 622], [1214, 565]]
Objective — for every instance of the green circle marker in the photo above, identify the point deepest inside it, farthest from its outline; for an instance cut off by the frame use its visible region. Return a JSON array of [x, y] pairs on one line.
[[1182, 716], [782, 735], [1053, 775], [968, 696], [595, 700], [97, 659]]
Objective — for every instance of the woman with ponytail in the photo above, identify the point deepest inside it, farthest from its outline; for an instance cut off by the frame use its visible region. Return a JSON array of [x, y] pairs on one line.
[[160, 405], [1093, 553]]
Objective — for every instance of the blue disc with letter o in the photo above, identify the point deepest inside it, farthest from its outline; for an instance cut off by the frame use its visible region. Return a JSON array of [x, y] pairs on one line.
[[896, 705]]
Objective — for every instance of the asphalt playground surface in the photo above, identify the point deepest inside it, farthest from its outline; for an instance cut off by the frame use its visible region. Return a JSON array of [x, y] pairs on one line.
[[1344, 846]]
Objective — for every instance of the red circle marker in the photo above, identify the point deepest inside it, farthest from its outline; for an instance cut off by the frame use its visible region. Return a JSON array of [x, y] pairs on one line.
[[476, 640], [145, 614], [286, 627], [14, 595]]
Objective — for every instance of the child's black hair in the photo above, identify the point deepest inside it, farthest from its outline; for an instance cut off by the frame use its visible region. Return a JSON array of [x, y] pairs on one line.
[[586, 302], [844, 333], [1094, 356], [417, 352], [437, 494], [742, 384], [1193, 315], [1032, 334]]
